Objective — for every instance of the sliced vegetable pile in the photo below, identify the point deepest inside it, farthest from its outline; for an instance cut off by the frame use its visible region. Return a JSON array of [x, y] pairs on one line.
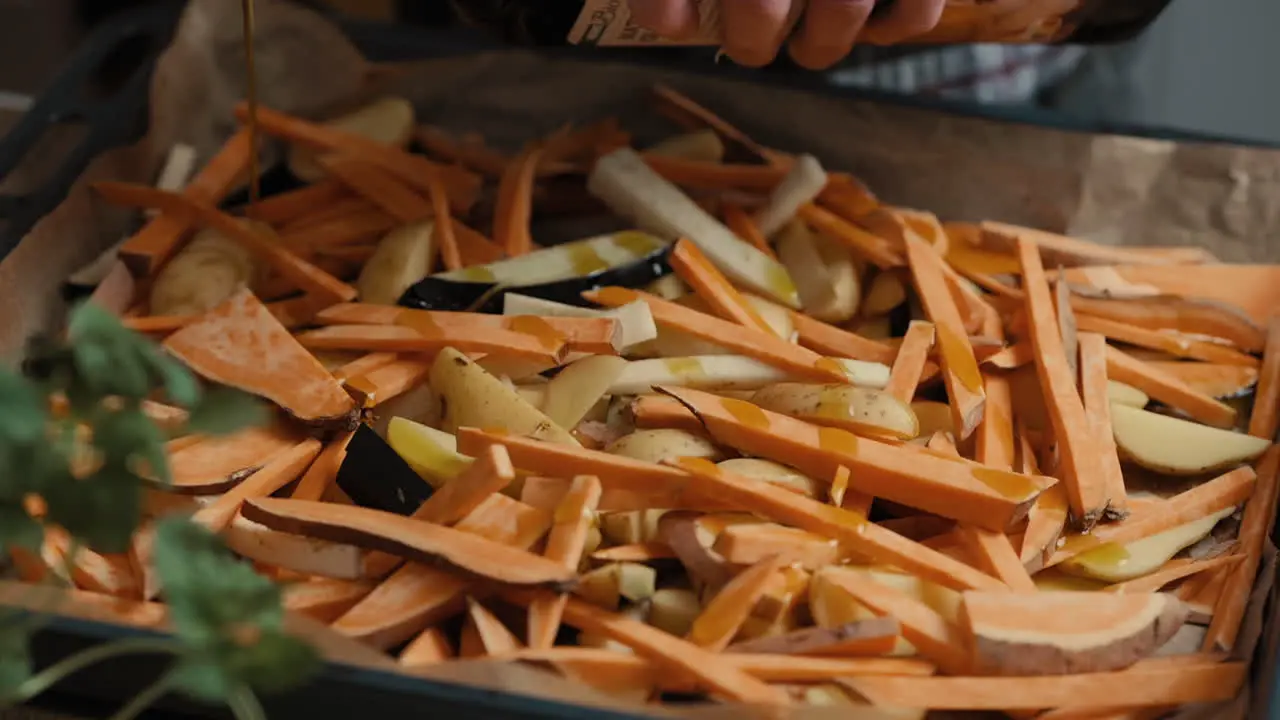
[[777, 442]]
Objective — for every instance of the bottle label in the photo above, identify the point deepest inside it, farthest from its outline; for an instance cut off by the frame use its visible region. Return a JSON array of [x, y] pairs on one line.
[[608, 23]]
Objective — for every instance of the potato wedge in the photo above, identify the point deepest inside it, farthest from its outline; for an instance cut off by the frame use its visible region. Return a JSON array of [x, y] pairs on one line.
[[471, 397], [673, 610], [830, 291], [1179, 447], [885, 293], [727, 372], [209, 270], [856, 409], [704, 145], [387, 120], [775, 474], [1126, 395], [431, 453], [1114, 563], [403, 258], [657, 445], [579, 386]]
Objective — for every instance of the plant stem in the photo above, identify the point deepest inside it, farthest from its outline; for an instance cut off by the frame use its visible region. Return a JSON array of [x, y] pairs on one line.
[[146, 698], [52, 675], [244, 705]]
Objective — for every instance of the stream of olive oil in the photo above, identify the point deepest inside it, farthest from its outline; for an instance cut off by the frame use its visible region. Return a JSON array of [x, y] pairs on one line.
[[251, 97]]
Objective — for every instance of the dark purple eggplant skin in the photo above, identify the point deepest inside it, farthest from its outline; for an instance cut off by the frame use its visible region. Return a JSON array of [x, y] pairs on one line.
[[433, 293], [374, 475]]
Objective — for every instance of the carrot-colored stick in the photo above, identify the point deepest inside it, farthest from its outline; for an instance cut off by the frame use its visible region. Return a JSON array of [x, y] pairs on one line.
[[715, 627], [282, 470], [1175, 345], [1171, 572], [714, 288], [1168, 389], [705, 175], [445, 237], [288, 206], [1095, 371], [865, 245], [380, 187], [377, 386], [565, 544], [742, 225], [324, 471], [756, 344], [432, 646], [473, 247], [912, 356], [960, 367], [159, 239], [353, 229], [308, 277], [1082, 475], [402, 339], [514, 209], [1265, 421]]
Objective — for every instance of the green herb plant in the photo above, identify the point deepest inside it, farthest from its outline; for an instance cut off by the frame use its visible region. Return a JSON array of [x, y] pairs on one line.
[[73, 432]]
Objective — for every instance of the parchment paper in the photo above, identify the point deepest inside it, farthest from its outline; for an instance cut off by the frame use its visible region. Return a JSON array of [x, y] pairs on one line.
[[1113, 189]]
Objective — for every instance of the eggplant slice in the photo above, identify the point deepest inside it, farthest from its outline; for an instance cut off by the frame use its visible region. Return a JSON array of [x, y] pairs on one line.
[[375, 476]]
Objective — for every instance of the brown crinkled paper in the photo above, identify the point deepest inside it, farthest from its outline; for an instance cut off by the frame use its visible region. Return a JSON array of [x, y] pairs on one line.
[[1115, 189]]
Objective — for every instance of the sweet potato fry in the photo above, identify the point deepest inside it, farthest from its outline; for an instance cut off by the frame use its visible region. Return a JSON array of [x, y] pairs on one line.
[[1213, 379], [1169, 390], [750, 543], [324, 599], [1173, 571], [1060, 250], [418, 595], [324, 471], [411, 169], [283, 208], [213, 465], [740, 222], [1253, 289], [388, 382], [960, 368], [363, 227], [491, 636], [488, 473], [283, 469], [1138, 686], [936, 639], [1173, 314], [305, 275], [868, 638], [723, 616], [515, 203], [411, 339], [1255, 528], [995, 555], [1177, 346], [565, 544], [703, 175], [474, 156], [982, 496], [753, 343], [868, 246], [708, 669], [1265, 421], [430, 647], [908, 366], [694, 268], [410, 538], [159, 239], [240, 344], [379, 187], [1096, 370], [1082, 477]]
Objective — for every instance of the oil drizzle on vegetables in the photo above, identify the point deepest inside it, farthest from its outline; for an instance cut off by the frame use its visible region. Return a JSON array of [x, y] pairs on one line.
[[745, 413], [613, 296], [838, 441], [780, 284], [585, 260], [636, 243], [1111, 555], [684, 367], [418, 320], [833, 366], [548, 336]]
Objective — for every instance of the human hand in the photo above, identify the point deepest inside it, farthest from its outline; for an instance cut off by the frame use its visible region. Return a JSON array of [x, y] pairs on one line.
[[754, 29]]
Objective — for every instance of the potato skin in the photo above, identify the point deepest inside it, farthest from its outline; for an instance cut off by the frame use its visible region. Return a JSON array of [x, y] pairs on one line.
[[470, 397], [856, 407], [657, 445]]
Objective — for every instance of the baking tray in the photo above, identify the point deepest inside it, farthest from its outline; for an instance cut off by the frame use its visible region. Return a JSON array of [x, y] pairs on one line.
[[117, 117]]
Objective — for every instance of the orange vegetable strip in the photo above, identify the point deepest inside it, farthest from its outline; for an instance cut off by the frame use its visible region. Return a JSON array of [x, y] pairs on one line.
[[430, 647], [1138, 686], [324, 599], [851, 530], [1060, 249], [324, 471], [514, 209], [419, 595], [756, 344], [288, 206], [474, 248], [1080, 470], [722, 297], [912, 356], [1012, 357], [598, 336], [721, 618], [964, 382], [831, 340], [411, 169], [306, 276], [363, 364], [1255, 528], [380, 187], [689, 114], [1168, 389], [402, 339], [709, 670], [1215, 319], [705, 175], [1212, 379], [849, 500], [749, 543], [741, 224], [381, 384], [473, 156], [967, 492], [565, 544], [495, 639], [865, 245], [488, 473], [936, 639], [1096, 369], [348, 207], [767, 667], [1176, 345], [1224, 491], [942, 444], [159, 239], [655, 411], [1172, 571], [354, 229], [280, 471], [446, 239], [1265, 421], [636, 553], [995, 445], [158, 324], [995, 555], [847, 197]]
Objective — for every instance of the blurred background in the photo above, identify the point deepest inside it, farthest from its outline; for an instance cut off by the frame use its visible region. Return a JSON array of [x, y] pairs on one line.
[[1204, 67]]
